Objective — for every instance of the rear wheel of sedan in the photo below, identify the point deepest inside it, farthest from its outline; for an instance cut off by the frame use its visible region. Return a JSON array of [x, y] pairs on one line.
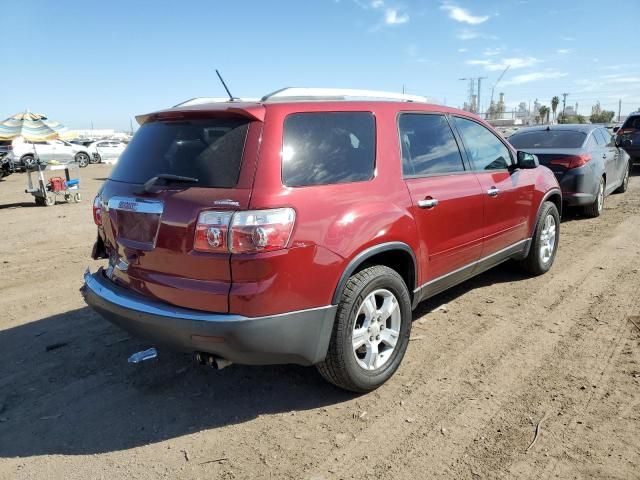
[[28, 161], [625, 180], [82, 159], [544, 243], [371, 330], [595, 209], [95, 158]]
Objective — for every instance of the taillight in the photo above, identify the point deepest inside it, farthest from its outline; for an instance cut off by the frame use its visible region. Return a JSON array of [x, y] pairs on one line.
[[571, 161], [97, 211], [261, 230], [249, 231], [212, 231], [624, 131]]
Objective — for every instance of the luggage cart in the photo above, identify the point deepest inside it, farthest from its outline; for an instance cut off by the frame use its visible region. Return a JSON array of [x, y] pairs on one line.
[[46, 194]]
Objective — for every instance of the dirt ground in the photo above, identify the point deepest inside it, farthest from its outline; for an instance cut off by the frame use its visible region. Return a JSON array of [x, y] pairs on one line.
[[491, 362]]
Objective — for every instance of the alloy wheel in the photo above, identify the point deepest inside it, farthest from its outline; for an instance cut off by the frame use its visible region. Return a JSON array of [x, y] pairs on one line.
[[547, 239], [376, 329], [601, 196]]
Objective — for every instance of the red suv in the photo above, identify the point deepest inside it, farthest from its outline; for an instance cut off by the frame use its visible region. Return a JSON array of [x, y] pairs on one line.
[[305, 227]]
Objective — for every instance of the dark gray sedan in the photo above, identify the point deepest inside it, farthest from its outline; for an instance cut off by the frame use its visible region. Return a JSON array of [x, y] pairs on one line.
[[584, 158]]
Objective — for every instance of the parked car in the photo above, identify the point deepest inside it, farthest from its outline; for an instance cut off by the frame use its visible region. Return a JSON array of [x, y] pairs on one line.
[[628, 136], [105, 150], [305, 229], [584, 158], [24, 154], [6, 164]]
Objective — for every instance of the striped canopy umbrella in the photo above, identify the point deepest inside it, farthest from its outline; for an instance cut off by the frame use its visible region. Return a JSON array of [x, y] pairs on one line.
[[33, 127]]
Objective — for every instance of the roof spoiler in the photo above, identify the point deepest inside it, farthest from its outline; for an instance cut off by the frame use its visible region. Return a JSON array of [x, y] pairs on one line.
[[252, 112]]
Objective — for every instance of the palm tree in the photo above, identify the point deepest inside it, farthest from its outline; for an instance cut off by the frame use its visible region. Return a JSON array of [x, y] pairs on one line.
[[555, 101], [544, 113]]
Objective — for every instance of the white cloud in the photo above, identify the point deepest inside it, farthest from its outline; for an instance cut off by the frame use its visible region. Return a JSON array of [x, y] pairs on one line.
[[564, 51], [532, 77], [461, 15], [490, 52], [625, 80], [515, 62], [377, 3], [394, 17], [467, 35], [462, 50], [568, 39], [621, 66]]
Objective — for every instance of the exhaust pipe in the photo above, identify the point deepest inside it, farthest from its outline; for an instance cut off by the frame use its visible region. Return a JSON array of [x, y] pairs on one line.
[[212, 361]]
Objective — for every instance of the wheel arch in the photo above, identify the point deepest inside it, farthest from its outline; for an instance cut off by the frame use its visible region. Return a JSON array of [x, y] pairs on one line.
[[396, 255]]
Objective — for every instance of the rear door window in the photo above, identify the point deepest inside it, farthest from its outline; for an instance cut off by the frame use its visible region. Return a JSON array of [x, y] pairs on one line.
[[597, 134], [208, 150], [321, 148], [428, 146]]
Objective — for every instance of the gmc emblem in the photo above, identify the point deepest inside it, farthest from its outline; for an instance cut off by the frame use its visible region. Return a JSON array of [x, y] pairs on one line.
[[123, 205]]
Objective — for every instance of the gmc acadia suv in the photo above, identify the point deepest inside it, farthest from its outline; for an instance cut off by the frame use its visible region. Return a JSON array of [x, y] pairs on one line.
[[305, 228]]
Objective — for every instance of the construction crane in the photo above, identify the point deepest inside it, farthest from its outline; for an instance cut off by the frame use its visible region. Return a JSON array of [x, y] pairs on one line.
[[497, 82]]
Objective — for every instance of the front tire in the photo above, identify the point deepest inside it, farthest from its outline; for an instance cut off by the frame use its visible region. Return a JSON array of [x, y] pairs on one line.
[[82, 159], [595, 209], [371, 330], [545, 240]]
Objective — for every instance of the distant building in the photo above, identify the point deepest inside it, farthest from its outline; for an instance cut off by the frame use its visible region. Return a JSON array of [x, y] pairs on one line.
[[98, 133]]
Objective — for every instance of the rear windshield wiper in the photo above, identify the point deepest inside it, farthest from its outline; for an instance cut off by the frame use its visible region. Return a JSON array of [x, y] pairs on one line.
[[168, 178]]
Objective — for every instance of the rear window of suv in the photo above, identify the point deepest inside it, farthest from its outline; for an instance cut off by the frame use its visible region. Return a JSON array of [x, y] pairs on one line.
[[632, 123], [322, 148], [209, 150]]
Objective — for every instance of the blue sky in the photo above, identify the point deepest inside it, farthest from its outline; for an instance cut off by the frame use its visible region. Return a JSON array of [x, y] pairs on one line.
[[103, 62]]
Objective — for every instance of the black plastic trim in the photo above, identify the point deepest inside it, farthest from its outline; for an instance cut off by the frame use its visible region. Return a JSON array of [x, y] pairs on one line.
[[368, 253]]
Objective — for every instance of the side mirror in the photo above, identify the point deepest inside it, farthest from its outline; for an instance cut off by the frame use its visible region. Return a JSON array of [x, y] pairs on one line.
[[527, 160], [615, 129], [623, 142]]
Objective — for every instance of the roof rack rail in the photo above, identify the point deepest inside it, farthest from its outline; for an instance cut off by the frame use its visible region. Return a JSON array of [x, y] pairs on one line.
[[311, 94], [203, 100]]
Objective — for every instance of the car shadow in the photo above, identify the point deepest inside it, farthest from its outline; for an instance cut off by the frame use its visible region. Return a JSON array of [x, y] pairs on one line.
[[18, 205], [66, 388]]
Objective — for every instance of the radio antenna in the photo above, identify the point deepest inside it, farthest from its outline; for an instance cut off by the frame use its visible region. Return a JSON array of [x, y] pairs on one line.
[[231, 97]]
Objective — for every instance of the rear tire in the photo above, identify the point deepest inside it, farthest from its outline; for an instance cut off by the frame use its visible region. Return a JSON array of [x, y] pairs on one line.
[[625, 180], [544, 245], [595, 209], [371, 331], [28, 161]]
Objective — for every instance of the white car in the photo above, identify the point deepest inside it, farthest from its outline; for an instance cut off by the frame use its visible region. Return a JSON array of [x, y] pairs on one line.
[[23, 153], [107, 151]]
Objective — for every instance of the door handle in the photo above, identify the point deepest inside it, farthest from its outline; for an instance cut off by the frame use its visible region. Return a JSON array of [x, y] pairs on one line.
[[428, 203], [493, 192]]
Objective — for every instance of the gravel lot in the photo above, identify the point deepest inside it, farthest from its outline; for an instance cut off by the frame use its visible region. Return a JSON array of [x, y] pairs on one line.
[[491, 362]]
